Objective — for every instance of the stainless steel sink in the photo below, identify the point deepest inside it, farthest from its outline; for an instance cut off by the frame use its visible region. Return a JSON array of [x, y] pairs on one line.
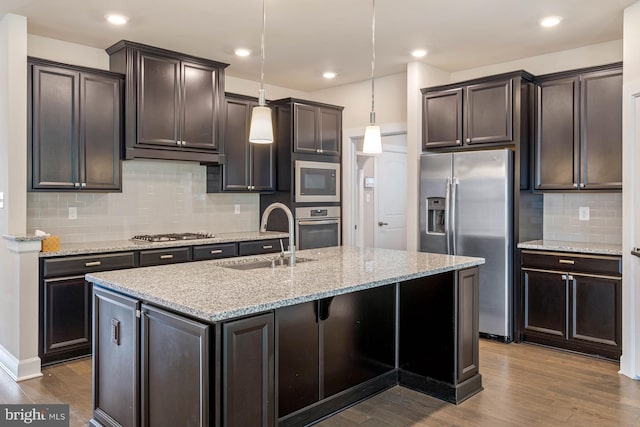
[[263, 262]]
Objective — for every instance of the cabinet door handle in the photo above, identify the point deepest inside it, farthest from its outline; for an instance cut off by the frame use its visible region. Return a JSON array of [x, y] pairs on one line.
[[179, 143], [564, 277], [570, 277], [267, 247], [468, 139], [115, 331], [582, 185], [458, 141], [92, 264], [575, 185], [566, 261], [166, 256], [216, 251], [76, 184], [83, 185]]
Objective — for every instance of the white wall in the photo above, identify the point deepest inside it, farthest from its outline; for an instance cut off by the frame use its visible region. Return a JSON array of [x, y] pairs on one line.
[[587, 56], [390, 100], [630, 361], [67, 53]]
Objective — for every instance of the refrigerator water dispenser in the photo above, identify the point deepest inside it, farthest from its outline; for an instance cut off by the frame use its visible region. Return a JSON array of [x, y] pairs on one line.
[[435, 215]]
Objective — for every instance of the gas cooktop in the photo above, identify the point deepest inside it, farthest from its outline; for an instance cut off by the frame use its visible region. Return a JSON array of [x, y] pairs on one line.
[[171, 237]]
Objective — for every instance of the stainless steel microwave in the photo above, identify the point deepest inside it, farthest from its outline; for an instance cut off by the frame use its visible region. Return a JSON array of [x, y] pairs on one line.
[[317, 182]]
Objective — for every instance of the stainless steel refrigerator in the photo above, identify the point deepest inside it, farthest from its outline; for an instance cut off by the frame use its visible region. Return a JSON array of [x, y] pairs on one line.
[[466, 208]]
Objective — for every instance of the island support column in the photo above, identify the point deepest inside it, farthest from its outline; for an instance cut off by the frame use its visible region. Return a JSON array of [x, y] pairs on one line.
[[438, 345]]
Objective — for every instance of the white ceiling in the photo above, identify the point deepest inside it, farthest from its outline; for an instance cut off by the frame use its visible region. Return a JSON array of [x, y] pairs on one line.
[[304, 38]]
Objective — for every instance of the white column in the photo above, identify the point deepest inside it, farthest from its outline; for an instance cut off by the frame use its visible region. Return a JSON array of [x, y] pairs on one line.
[[18, 259], [630, 360]]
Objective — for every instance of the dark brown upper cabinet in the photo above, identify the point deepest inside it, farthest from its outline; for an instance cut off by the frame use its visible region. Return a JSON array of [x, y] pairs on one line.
[[173, 103], [246, 166], [74, 128], [309, 127], [579, 130], [478, 112], [442, 118]]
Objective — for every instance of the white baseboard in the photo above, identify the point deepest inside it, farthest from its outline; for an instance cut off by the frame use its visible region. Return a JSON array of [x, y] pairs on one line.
[[19, 370]]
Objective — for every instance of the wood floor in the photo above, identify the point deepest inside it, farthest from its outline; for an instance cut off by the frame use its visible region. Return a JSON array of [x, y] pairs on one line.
[[524, 385]]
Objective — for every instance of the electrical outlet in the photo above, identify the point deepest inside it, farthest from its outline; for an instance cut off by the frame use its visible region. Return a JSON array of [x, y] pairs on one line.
[[236, 209], [583, 213], [73, 213]]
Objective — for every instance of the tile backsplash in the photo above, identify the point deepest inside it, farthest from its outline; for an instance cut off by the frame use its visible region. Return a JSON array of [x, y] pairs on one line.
[[157, 197], [561, 220]]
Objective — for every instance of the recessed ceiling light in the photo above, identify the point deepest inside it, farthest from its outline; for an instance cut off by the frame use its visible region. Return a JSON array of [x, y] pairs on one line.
[[550, 21], [242, 52], [117, 19], [329, 75], [419, 53]]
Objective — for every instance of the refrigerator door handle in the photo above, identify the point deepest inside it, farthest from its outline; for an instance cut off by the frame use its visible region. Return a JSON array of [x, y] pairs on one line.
[[447, 198], [454, 187]]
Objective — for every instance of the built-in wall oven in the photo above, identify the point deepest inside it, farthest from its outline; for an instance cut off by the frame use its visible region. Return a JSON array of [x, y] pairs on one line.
[[317, 182], [318, 227]]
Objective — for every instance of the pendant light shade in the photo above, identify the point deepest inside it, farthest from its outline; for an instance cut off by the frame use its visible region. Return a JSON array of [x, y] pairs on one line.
[[372, 139], [261, 128]]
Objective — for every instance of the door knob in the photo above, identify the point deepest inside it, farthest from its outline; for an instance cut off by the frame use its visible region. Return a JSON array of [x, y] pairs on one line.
[[380, 223]]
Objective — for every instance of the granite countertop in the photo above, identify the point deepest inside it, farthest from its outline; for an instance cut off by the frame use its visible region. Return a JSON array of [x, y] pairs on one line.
[[129, 245], [211, 292], [578, 247]]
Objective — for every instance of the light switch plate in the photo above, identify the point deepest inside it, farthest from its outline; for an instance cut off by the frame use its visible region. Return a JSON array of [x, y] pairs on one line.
[[583, 213], [73, 213], [1, 200], [236, 209]]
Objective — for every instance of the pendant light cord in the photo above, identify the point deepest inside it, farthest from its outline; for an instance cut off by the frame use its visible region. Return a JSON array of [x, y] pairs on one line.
[[261, 101], [372, 117]]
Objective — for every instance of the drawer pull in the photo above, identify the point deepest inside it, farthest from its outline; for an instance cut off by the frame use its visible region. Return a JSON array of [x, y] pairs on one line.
[[92, 264], [567, 277], [166, 256], [216, 251], [267, 247], [566, 261]]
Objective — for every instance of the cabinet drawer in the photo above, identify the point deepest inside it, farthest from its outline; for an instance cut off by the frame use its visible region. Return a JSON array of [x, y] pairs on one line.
[[65, 266], [215, 251], [164, 256], [261, 247], [571, 262]]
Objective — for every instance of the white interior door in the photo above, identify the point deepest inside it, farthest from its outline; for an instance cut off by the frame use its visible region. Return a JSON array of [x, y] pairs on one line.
[[391, 183]]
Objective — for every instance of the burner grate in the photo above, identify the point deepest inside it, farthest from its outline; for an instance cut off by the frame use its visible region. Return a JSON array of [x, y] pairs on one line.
[[169, 237]]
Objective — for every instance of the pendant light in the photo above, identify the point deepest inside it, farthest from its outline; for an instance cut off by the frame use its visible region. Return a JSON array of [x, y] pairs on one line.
[[372, 139], [261, 128]]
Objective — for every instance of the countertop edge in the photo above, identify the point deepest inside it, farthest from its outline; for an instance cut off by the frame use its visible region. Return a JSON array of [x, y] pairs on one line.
[[126, 245], [576, 247], [271, 305]]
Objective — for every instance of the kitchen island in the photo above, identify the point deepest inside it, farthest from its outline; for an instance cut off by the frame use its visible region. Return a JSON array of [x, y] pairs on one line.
[[233, 343]]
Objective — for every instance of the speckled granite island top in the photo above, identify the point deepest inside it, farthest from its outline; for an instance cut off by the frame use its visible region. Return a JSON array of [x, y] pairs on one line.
[[130, 245], [578, 247], [209, 291]]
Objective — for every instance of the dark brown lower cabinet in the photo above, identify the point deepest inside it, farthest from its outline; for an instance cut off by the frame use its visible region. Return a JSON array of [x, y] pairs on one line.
[[248, 378], [66, 318], [150, 366], [572, 309], [116, 360], [175, 386]]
